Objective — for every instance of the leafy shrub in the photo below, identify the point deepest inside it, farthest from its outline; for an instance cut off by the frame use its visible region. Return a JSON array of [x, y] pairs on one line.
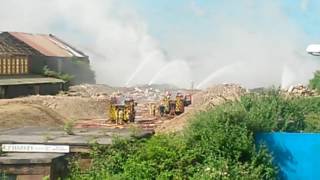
[[108, 162], [50, 73], [273, 112], [226, 146], [314, 83]]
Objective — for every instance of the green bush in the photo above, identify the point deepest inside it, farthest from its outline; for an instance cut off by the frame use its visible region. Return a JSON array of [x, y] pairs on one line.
[[50, 73], [314, 83], [273, 112], [218, 144], [108, 162]]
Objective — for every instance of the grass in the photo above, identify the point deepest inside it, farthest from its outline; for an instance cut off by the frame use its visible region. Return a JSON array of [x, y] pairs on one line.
[[68, 127]]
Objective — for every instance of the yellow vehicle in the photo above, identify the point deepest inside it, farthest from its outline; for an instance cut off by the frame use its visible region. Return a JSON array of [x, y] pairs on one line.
[[172, 107], [122, 112], [179, 104], [129, 110]]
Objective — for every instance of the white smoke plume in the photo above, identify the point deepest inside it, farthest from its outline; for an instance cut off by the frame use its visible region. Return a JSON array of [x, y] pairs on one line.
[[251, 43]]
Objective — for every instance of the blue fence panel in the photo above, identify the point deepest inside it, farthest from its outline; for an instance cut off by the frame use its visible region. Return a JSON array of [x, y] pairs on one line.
[[296, 154]]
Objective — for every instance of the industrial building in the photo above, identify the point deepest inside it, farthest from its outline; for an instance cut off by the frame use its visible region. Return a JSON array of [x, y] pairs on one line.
[[24, 56]]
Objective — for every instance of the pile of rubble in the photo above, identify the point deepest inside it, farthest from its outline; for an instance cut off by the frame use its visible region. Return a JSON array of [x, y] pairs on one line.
[[89, 90], [218, 94], [299, 90], [144, 94]]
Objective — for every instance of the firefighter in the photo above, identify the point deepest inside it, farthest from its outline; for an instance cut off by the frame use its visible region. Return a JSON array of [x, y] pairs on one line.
[[179, 104], [161, 110], [150, 110], [166, 104], [127, 115], [172, 107], [120, 116], [113, 112], [153, 109]]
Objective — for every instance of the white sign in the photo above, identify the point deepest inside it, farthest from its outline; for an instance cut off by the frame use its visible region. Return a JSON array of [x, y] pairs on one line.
[[35, 148]]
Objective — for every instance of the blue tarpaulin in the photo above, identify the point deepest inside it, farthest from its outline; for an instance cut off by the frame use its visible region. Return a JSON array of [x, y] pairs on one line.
[[296, 154]]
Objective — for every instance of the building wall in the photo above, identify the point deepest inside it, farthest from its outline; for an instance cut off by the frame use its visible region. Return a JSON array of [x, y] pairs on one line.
[[33, 89], [79, 68], [37, 63], [55, 170]]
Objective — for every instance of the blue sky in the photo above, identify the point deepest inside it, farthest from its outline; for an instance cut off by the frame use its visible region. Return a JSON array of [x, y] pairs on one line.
[[164, 15], [308, 19]]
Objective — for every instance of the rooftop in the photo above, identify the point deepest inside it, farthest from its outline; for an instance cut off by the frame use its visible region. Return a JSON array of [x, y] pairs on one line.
[[12, 46], [36, 44], [27, 79]]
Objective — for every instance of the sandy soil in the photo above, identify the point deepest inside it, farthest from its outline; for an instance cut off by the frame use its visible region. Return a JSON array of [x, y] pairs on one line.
[[49, 110]]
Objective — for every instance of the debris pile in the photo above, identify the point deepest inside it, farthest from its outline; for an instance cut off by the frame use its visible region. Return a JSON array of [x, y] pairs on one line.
[[148, 94], [299, 90], [218, 94], [89, 90]]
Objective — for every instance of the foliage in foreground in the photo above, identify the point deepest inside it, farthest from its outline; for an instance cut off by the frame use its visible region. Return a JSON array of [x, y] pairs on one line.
[[218, 144], [314, 83], [273, 112]]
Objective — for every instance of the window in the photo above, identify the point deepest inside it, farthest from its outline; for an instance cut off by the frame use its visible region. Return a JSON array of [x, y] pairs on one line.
[[14, 65]]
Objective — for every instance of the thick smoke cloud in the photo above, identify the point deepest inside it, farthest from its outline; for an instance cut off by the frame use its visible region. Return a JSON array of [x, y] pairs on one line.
[[246, 42], [251, 42]]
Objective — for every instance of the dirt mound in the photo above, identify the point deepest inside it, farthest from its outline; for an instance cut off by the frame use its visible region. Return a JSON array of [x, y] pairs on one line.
[[50, 110], [202, 101], [72, 108], [18, 114]]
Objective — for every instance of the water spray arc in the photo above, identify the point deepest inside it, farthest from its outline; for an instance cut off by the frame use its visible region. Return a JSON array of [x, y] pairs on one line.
[[158, 74], [175, 72], [136, 71], [219, 72], [287, 77]]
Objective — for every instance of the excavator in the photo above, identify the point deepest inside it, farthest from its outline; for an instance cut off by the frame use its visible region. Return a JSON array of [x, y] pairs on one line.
[[122, 111]]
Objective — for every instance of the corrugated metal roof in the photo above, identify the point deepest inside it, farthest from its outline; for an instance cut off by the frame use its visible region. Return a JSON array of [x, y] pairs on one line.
[[48, 45], [10, 46]]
